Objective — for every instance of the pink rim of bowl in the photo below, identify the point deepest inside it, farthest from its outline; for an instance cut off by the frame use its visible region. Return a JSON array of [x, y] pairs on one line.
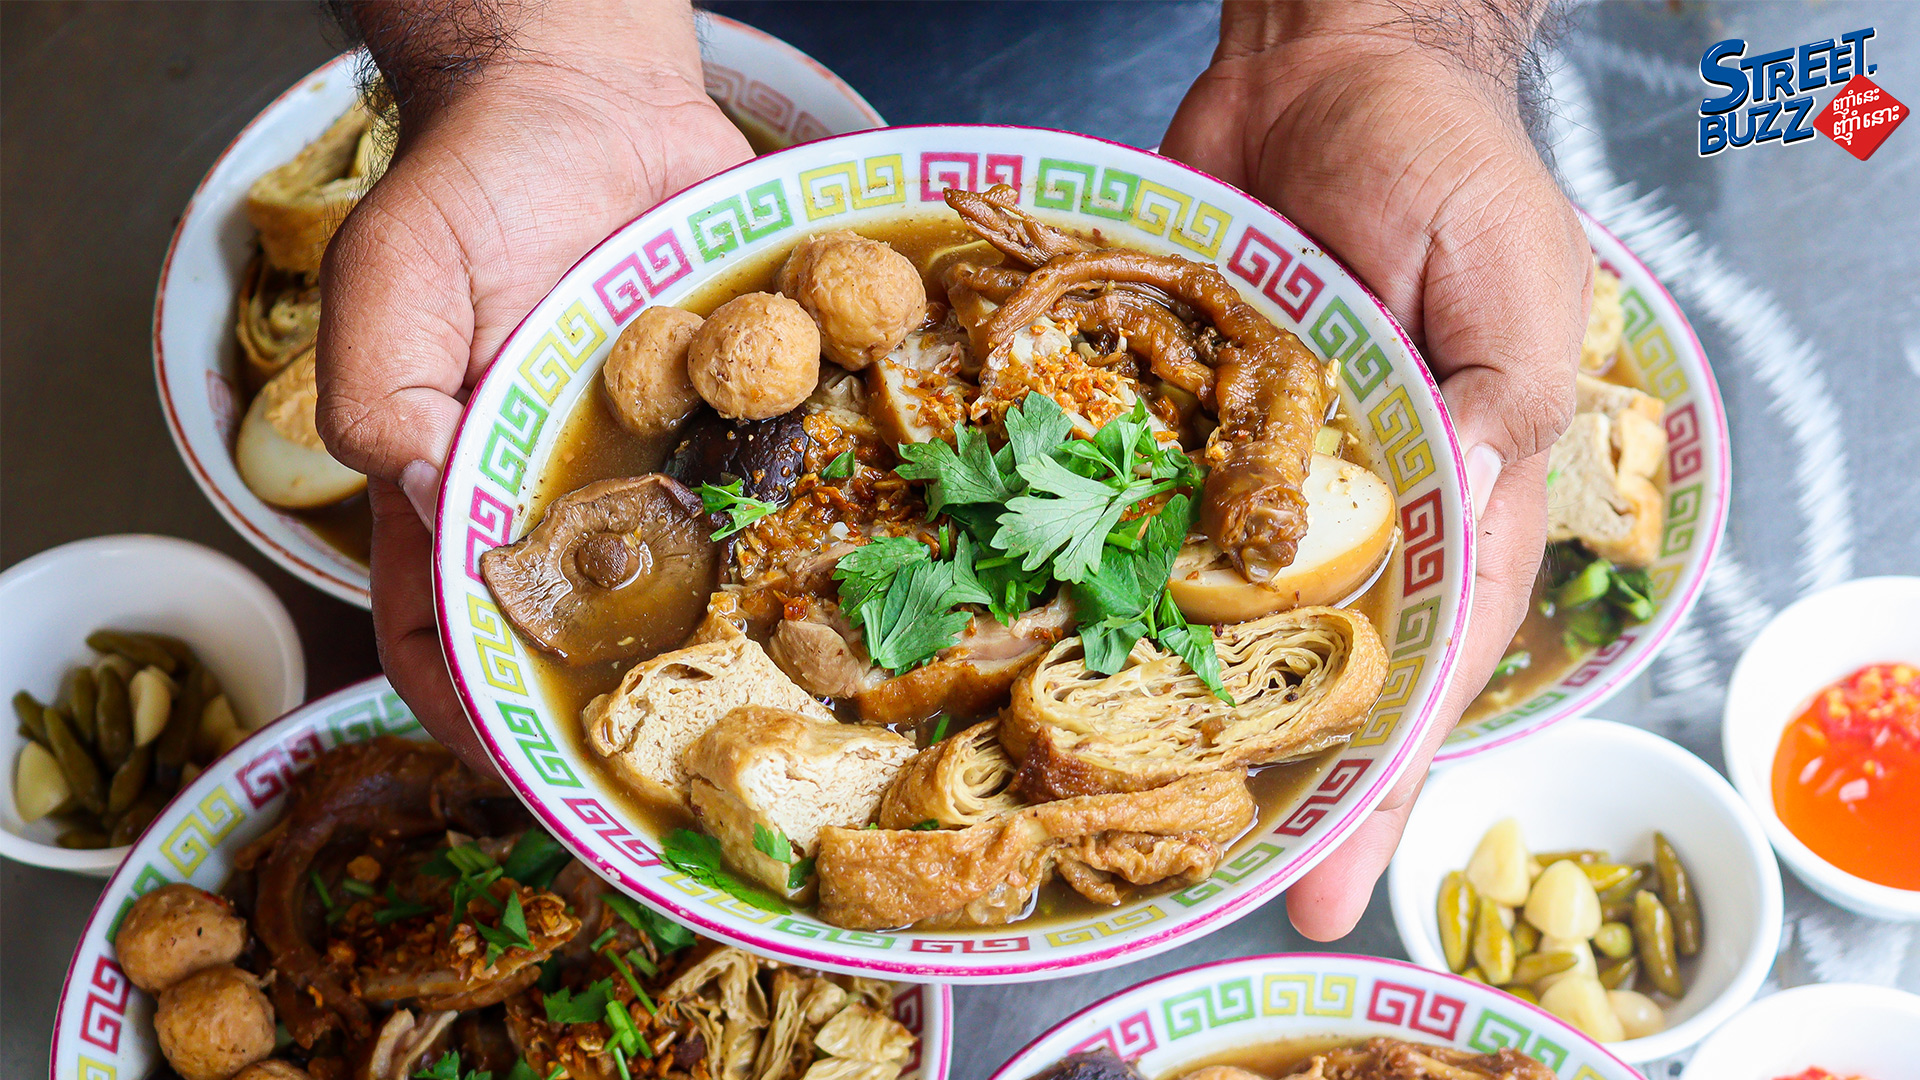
[[1699, 459], [104, 1026], [1304, 996], [472, 517], [748, 70]]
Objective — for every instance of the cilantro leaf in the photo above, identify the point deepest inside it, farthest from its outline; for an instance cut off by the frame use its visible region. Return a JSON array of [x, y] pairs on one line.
[[448, 1068], [535, 859], [522, 1071], [1036, 427], [772, 843], [1194, 644], [869, 569], [914, 619], [698, 856], [510, 934], [799, 872], [967, 588], [741, 509], [928, 825], [670, 936], [840, 467], [963, 471], [584, 1007], [1070, 527]]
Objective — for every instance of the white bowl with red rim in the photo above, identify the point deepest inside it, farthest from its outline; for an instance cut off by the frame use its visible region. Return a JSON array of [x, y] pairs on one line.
[[761, 208], [1699, 490], [51, 601], [1207, 1014], [1811, 644], [104, 1026], [195, 357]]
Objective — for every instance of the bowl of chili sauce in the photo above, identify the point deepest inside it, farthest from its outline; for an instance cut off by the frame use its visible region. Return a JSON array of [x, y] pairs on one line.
[[1822, 738]]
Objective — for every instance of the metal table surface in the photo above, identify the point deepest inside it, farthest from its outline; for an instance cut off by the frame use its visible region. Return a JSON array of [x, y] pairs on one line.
[[1800, 268]]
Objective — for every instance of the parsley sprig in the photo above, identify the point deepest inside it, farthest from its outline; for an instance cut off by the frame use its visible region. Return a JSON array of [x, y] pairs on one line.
[[699, 856], [741, 509], [1046, 509]]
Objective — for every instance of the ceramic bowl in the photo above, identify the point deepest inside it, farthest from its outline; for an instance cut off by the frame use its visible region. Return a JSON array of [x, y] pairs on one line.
[[52, 601], [1849, 1029], [773, 86], [1597, 784], [1189, 1018], [105, 1027], [1815, 641], [760, 209], [1659, 339]]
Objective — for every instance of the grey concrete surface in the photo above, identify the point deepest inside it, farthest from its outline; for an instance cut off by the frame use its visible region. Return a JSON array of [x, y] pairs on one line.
[[1799, 266]]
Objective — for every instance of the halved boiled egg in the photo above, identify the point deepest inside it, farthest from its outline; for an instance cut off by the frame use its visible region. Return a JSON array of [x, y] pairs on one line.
[[1350, 529], [279, 452]]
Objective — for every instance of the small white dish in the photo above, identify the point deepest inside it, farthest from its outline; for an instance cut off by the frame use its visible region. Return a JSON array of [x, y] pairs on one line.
[[1597, 784], [1817, 640], [775, 87], [52, 601], [1849, 1029]]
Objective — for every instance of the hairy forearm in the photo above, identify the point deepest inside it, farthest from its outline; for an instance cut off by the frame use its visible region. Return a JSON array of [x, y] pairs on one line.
[[430, 50], [1494, 45]]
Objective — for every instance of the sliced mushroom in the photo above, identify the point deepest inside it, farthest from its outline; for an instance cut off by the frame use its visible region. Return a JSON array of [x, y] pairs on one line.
[[616, 569]]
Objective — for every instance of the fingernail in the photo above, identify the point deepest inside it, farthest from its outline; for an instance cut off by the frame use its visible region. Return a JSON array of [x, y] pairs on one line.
[[1483, 471], [421, 482]]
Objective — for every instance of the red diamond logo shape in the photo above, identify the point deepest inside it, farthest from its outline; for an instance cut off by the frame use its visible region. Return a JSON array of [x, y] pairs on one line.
[[1860, 117]]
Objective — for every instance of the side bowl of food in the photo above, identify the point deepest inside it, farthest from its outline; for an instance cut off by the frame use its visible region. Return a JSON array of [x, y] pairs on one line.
[[320, 838], [1820, 1031], [1268, 1017], [1821, 734], [228, 319], [841, 627], [131, 661], [1638, 491], [1602, 857]]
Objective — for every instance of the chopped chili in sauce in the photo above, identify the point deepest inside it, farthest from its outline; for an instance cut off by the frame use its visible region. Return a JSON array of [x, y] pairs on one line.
[[1846, 779]]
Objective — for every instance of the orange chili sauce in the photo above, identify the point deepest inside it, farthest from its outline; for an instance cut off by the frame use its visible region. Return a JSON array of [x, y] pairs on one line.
[[1846, 779]]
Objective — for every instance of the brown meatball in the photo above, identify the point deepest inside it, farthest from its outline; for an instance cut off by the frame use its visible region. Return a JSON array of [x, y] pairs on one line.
[[646, 374], [757, 356], [214, 1023], [864, 295], [272, 1069], [174, 931]]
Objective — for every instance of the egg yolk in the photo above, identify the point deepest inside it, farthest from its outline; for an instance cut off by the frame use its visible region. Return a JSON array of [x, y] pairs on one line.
[[1846, 779]]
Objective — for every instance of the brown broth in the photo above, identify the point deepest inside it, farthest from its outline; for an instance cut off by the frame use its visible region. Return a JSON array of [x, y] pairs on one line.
[[592, 446], [1276, 1059], [1543, 636], [346, 527]]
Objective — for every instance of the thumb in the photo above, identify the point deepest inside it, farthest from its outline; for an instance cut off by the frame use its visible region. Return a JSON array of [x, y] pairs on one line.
[[396, 326]]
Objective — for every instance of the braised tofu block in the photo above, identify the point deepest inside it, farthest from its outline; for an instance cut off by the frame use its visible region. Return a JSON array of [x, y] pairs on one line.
[[1606, 320], [1601, 473], [663, 705], [765, 781]]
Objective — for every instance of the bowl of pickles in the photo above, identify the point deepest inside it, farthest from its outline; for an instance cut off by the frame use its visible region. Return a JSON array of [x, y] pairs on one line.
[[1600, 872], [143, 659]]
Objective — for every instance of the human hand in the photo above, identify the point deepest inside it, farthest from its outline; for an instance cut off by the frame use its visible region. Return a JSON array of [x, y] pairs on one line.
[[1395, 139], [579, 119]]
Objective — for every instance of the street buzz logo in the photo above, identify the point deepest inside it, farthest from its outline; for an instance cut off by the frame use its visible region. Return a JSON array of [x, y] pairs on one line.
[[1777, 90]]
